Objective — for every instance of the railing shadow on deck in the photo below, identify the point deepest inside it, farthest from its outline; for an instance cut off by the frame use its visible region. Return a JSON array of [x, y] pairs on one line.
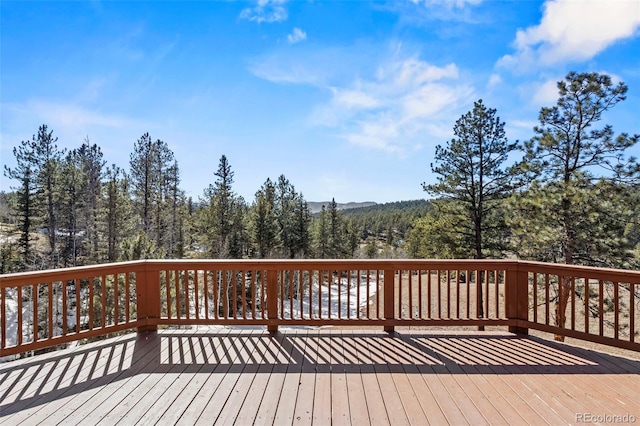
[[38, 381]]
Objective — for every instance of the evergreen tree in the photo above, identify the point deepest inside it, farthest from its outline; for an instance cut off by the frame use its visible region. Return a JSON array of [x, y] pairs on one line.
[[371, 250], [569, 211], [471, 173], [336, 240], [220, 213], [73, 188], [154, 172], [567, 152], [322, 235], [263, 220], [24, 172], [167, 180], [143, 178], [352, 238], [38, 171], [176, 206], [239, 240], [285, 200], [48, 159], [189, 228], [438, 236], [301, 241], [117, 212], [293, 218], [92, 164]]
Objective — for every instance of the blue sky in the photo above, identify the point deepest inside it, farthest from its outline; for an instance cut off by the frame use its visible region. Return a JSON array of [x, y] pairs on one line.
[[348, 99]]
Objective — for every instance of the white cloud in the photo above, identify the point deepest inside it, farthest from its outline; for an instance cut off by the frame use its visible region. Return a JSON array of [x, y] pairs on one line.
[[71, 122], [406, 101], [523, 124], [494, 80], [296, 36], [354, 98], [573, 31], [266, 11], [306, 66], [545, 93], [71, 116], [398, 102], [293, 73], [413, 71]]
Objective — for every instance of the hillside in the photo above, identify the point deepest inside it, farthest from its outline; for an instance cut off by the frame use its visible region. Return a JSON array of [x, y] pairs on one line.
[[388, 221], [393, 207], [316, 206]]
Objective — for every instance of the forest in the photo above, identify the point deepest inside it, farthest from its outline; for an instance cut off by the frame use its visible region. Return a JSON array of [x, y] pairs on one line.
[[569, 194]]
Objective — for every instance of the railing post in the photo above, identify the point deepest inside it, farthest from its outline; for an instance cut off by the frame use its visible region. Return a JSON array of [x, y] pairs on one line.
[[389, 298], [517, 297], [148, 299], [272, 299]]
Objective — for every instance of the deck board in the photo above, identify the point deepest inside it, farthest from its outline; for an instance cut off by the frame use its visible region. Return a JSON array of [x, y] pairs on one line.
[[390, 394], [395, 360], [303, 411], [254, 396], [375, 401], [322, 395], [340, 411], [77, 382], [224, 390], [286, 405], [273, 391], [236, 401], [309, 376], [358, 412], [156, 383]]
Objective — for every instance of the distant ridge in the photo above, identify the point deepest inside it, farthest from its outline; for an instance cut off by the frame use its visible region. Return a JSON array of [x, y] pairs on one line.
[[316, 206]]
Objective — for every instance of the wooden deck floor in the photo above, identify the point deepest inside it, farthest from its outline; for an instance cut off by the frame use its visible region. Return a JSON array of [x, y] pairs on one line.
[[231, 376]]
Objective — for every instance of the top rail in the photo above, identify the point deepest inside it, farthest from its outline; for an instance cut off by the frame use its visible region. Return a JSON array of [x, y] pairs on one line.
[[276, 264]]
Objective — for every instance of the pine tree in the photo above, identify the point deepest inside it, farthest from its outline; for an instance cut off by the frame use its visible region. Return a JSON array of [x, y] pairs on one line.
[[438, 236], [220, 213], [48, 159], [92, 164], [239, 240], [336, 240], [24, 172], [153, 172], [73, 187], [285, 205], [569, 211], [264, 227], [176, 204], [144, 178], [301, 227], [117, 211], [322, 235], [471, 173]]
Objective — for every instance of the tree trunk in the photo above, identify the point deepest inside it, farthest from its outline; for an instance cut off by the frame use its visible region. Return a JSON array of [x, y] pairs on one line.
[[564, 284]]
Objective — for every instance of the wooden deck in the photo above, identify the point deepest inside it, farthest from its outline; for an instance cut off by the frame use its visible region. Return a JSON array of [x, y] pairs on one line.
[[329, 376]]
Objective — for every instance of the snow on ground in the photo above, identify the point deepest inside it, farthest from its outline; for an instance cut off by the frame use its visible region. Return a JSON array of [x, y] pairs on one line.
[[11, 309], [349, 301]]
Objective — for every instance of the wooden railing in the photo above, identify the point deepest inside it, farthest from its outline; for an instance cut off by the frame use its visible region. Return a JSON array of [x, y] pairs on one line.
[[48, 308]]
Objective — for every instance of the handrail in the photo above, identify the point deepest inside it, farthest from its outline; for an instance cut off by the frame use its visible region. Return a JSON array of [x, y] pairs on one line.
[[42, 309]]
